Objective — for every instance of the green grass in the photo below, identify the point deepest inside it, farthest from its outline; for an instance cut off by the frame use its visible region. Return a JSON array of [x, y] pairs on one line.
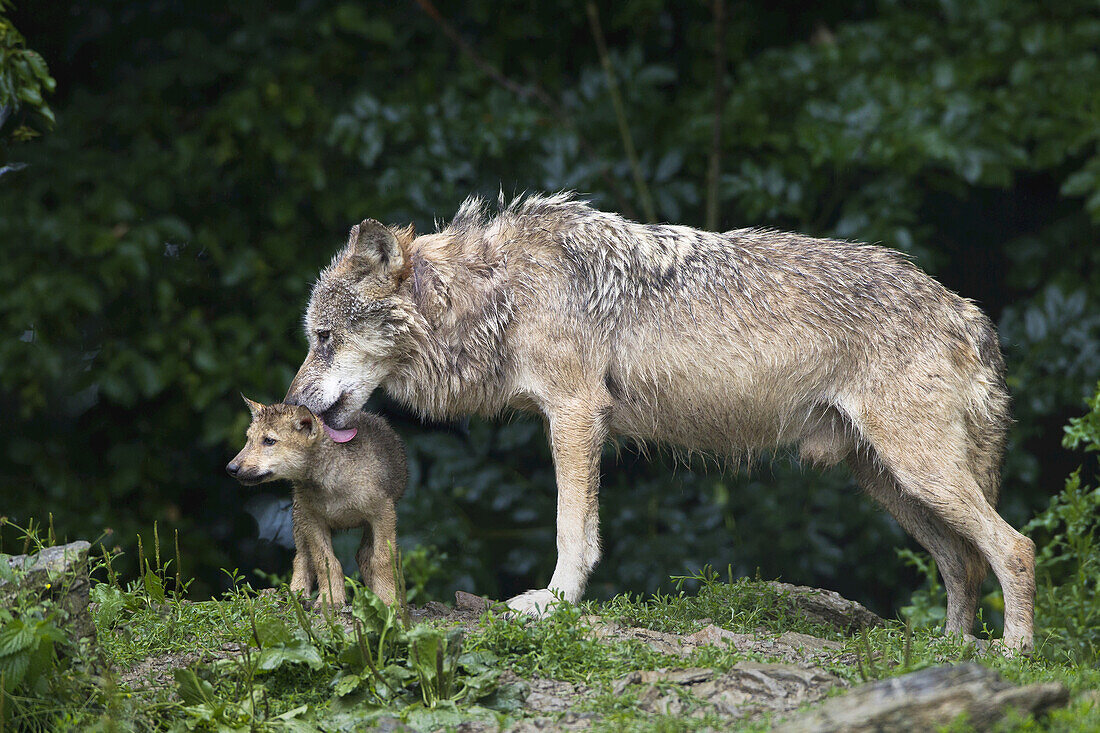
[[741, 605]]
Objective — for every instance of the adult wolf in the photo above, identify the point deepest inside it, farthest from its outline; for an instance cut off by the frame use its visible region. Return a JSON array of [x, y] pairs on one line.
[[734, 343]]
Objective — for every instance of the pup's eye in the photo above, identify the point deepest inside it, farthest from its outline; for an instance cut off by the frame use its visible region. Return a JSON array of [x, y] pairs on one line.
[[269, 441], [324, 335]]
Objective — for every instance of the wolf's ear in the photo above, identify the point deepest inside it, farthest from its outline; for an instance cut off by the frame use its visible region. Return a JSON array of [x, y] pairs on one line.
[[253, 406], [377, 245]]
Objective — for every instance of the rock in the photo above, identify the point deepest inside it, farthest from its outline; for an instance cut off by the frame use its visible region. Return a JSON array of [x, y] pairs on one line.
[[390, 724], [828, 607], [788, 647], [469, 602], [59, 573], [552, 696], [926, 700], [569, 721], [749, 688]]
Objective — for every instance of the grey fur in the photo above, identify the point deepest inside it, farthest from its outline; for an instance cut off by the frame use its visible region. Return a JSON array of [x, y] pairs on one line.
[[335, 486], [730, 343]]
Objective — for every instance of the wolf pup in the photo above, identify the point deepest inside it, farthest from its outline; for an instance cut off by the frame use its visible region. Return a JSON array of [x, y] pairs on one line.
[[342, 479], [736, 343]]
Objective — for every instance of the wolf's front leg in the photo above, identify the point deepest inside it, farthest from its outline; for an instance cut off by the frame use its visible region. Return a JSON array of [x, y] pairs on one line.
[[578, 429]]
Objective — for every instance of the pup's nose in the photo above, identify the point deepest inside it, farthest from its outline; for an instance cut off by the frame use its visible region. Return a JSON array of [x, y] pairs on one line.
[[233, 468]]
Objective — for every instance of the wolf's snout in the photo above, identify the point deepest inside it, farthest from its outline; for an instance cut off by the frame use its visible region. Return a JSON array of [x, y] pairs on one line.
[[233, 468]]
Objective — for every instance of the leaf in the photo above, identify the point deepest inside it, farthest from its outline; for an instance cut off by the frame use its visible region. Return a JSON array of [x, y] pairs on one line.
[[289, 714], [347, 684], [444, 715], [192, 690], [273, 631], [669, 165], [479, 661], [506, 698], [1080, 183], [109, 603], [154, 588], [299, 653], [15, 637], [483, 684], [372, 611], [13, 667]]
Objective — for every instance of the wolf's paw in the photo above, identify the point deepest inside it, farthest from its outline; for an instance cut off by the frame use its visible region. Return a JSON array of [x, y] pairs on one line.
[[1011, 650], [536, 603]]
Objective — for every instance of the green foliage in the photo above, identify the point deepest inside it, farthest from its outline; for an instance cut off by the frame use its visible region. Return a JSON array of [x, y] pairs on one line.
[[928, 606], [742, 605], [44, 669], [24, 82], [1068, 561], [29, 637]]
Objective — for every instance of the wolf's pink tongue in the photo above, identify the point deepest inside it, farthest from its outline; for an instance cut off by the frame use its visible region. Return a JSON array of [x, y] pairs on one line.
[[339, 436]]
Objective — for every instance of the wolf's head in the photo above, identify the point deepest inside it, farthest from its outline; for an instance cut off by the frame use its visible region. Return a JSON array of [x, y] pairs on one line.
[[279, 444], [352, 324]]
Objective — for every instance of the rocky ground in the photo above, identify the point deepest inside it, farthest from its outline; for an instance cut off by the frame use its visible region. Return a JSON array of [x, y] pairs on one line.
[[790, 681]]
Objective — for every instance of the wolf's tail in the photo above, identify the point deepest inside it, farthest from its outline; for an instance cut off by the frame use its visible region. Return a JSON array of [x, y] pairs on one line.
[[989, 409]]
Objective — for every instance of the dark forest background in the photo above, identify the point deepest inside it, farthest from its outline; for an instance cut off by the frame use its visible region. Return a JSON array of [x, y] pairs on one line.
[[208, 158]]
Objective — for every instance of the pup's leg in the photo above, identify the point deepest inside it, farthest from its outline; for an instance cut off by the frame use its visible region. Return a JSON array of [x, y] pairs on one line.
[[963, 568], [363, 557], [330, 575], [331, 579], [303, 575], [380, 561], [578, 429]]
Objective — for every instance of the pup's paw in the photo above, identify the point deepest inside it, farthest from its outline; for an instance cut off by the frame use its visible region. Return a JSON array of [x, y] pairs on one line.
[[335, 601], [536, 603]]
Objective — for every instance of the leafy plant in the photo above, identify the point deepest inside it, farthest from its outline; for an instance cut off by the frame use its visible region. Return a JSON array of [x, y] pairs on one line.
[[927, 607], [1068, 561], [44, 668], [24, 82]]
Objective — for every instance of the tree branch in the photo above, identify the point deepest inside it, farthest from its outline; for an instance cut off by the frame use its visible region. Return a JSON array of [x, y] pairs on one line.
[[715, 163], [620, 114]]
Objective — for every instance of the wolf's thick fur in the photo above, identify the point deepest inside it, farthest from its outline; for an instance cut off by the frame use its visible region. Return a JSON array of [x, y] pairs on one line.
[[336, 486], [735, 343]]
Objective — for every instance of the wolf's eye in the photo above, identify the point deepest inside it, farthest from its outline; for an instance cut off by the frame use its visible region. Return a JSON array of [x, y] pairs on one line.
[[269, 441], [324, 335]]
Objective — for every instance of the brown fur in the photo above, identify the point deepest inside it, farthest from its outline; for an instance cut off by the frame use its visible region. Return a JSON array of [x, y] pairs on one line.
[[336, 486], [733, 343]]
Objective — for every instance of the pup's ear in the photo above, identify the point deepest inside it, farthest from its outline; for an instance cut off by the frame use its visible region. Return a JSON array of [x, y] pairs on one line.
[[305, 421], [376, 246], [254, 407]]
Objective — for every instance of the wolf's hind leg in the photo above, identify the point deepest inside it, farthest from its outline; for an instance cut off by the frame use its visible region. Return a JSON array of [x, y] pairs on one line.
[[931, 469], [963, 568], [578, 429]]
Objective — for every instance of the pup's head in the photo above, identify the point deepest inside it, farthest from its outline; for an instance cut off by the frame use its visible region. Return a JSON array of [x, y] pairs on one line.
[[278, 444], [352, 322]]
